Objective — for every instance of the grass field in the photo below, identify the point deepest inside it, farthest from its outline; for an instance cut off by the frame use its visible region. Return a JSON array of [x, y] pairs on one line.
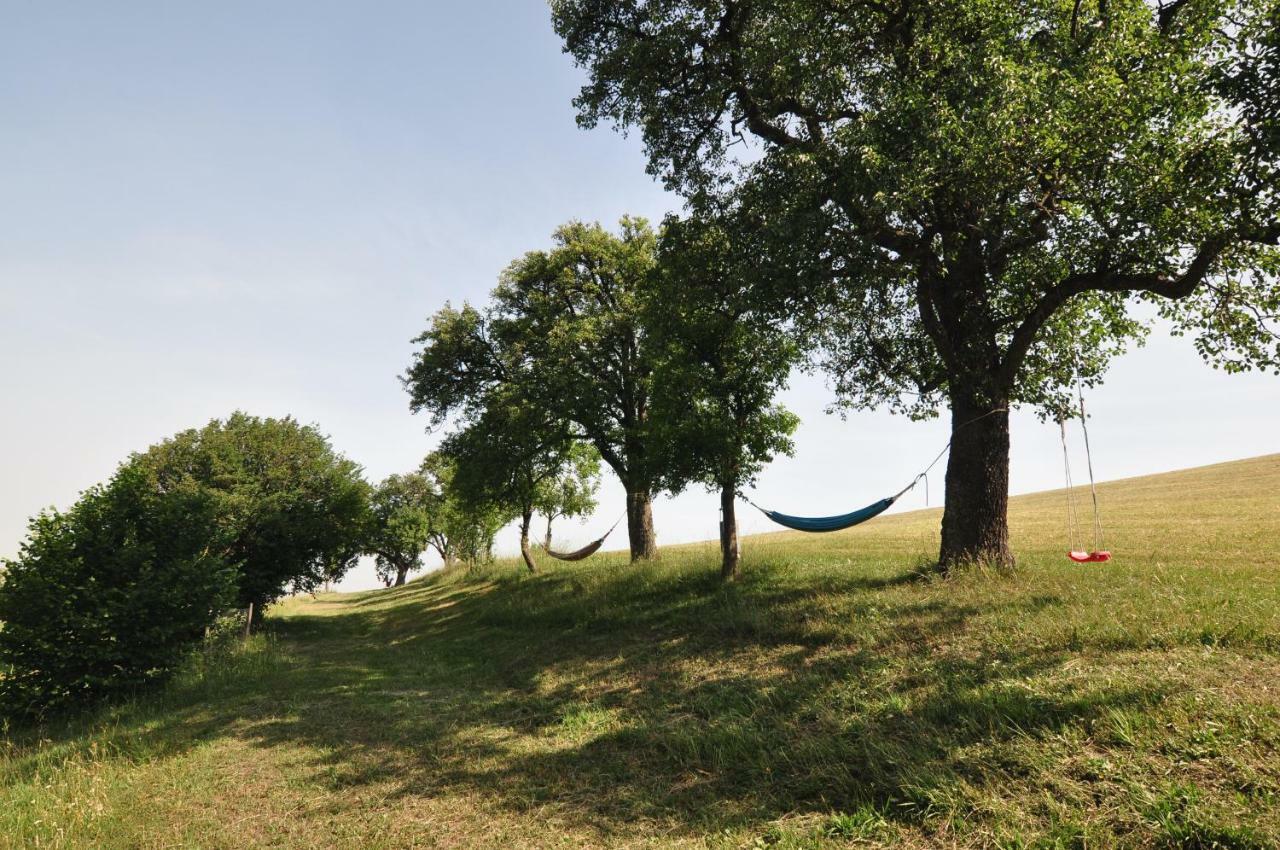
[[828, 699]]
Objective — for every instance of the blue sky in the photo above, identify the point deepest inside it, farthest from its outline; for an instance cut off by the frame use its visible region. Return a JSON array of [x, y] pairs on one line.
[[246, 205]]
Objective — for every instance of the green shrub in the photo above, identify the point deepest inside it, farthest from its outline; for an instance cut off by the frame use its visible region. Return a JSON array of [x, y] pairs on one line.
[[109, 595], [296, 512]]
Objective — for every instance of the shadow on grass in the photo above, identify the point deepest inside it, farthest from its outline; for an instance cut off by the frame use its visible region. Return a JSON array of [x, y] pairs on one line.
[[635, 695]]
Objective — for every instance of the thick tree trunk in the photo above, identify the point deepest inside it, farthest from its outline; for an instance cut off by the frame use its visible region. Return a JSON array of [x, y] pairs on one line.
[[644, 545], [975, 522], [526, 517], [402, 573], [728, 533]]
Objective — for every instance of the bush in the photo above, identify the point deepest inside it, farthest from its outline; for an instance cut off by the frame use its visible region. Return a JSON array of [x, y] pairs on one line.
[[295, 511], [109, 595]]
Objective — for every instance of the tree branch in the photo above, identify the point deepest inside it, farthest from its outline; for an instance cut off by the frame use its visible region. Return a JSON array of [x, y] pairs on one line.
[[1162, 285]]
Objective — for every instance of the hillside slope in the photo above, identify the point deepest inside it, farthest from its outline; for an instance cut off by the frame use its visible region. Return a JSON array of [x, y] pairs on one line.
[[830, 698]]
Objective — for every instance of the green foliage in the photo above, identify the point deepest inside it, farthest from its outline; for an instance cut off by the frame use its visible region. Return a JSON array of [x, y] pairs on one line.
[[983, 190], [463, 526], [403, 509], [295, 512], [513, 456], [514, 460], [111, 594], [723, 354], [571, 491], [975, 196], [562, 352]]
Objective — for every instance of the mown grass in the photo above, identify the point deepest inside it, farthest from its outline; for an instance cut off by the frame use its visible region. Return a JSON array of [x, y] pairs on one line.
[[831, 698]]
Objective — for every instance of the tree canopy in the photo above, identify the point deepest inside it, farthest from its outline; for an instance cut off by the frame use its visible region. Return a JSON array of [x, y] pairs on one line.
[[463, 527], [984, 192], [403, 509], [572, 491], [296, 511]]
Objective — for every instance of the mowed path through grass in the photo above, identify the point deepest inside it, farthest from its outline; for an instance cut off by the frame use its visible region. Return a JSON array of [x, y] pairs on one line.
[[830, 698]]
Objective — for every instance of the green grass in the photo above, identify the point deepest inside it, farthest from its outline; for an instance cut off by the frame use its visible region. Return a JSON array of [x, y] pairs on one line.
[[829, 699]]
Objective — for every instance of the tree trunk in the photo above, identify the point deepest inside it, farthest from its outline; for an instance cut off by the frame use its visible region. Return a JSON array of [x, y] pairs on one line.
[[402, 573], [546, 544], [728, 532], [975, 521], [526, 517], [644, 545]]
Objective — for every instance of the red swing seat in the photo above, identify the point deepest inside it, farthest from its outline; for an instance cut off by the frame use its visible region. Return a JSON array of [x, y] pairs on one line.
[[1098, 557]]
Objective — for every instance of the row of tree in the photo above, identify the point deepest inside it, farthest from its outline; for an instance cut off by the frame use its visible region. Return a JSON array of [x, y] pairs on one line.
[[970, 205], [655, 351], [947, 204], [113, 592], [456, 504]]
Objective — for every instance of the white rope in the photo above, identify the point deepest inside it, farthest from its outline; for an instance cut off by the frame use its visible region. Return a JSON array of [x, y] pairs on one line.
[[1088, 454], [1072, 520]]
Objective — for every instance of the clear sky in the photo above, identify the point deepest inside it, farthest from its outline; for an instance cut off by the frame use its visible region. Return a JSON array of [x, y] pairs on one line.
[[212, 206]]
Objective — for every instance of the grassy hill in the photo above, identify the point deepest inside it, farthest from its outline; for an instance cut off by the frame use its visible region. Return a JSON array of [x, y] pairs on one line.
[[830, 698]]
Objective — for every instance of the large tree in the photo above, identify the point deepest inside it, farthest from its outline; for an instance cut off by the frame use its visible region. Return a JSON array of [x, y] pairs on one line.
[[724, 352], [563, 335], [985, 190], [296, 510]]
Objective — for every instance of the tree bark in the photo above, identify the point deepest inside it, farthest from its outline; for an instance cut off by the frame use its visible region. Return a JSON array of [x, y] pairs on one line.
[[644, 545], [402, 573], [728, 532], [526, 517], [975, 522], [546, 544]]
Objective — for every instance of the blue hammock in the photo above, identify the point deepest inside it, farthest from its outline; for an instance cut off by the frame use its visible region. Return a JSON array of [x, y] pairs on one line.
[[830, 523], [839, 522]]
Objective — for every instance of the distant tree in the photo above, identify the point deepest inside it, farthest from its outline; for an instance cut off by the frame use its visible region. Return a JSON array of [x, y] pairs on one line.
[[403, 508], [572, 491], [563, 335], [111, 594], [984, 190], [296, 511], [461, 528], [723, 353], [514, 459]]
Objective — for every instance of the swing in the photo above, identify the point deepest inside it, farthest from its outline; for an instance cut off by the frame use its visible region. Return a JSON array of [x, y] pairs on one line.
[[1096, 555]]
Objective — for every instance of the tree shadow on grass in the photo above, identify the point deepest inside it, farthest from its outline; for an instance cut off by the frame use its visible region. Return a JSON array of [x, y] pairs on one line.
[[639, 697]]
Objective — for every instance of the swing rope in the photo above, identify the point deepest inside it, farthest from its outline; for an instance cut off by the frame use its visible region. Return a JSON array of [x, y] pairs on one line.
[[1074, 536], [1073, 524], [1088, 454]]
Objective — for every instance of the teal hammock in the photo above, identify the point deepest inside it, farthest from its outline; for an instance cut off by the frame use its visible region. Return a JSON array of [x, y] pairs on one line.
[[839, 522]]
